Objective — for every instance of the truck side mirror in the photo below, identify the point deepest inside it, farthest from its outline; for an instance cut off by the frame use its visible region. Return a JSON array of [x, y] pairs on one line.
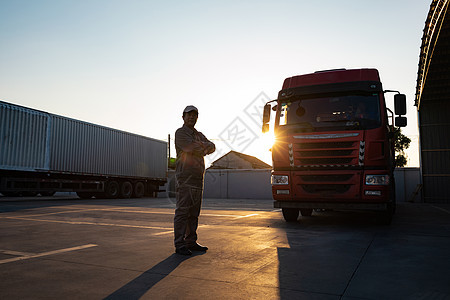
[[266, 113], [400, 121], [400, 104], [266, 118]]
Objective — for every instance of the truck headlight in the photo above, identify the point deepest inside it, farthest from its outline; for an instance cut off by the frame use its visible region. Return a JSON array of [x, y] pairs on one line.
[[377, 179], [279, 179]]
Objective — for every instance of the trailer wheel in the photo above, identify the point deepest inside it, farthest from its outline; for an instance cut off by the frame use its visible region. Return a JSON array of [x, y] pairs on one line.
[[139, 190], [290, 214], [306, 212], [126, 189], [112, 189]]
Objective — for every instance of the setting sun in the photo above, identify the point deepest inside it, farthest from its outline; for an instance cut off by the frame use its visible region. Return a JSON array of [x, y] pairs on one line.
[[262, 147], [268, 139]]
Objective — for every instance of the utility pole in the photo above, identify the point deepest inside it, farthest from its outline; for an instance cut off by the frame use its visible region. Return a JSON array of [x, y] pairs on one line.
[[168, 144]]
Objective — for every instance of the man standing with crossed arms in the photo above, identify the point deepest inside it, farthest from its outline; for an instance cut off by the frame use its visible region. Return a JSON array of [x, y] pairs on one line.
[[191, 147]]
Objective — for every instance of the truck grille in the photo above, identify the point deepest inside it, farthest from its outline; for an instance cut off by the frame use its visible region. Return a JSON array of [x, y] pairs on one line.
[[324, 165], [326, 145], [324, 188], [326, 153], [326, 178], [326, 161]]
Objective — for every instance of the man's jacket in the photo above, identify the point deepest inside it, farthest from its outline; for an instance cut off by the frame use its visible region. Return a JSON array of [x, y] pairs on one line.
[[191, 147]]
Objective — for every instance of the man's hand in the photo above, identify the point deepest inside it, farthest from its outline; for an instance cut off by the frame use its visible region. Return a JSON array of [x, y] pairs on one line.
[[208, 148]]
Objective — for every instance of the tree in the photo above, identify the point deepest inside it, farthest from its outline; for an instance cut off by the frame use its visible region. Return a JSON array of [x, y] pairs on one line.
[[401, 144], [171, 162]]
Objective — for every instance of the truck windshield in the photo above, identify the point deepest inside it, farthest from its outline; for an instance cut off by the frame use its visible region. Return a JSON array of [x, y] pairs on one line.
[[347, 112]]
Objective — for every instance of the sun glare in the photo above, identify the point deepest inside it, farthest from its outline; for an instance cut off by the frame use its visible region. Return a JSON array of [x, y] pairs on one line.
[[263, 148], [268, 139]]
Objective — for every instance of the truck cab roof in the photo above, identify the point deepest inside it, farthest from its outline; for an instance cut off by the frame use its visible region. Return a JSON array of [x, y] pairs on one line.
[[331, 76]]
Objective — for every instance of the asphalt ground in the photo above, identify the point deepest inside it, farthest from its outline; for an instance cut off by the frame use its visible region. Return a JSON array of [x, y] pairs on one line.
[[67, 248]]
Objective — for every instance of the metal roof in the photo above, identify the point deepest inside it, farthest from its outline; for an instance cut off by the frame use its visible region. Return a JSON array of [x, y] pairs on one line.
[[433, 104], [434, 73]]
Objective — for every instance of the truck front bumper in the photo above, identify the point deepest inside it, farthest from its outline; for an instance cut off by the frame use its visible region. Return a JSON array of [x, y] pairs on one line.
[[328, 205]]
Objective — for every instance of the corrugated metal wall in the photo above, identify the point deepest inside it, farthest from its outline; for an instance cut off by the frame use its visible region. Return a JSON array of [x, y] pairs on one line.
[[32, 140], [23, 138], [435, 146], [255, 184], [433, 101]]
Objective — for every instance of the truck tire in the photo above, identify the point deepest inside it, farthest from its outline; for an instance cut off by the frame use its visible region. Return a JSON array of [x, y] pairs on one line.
[[393, 197], [306, 212], [139, 190], [386, 216], [290, 214], [126, 189], [112, 190]]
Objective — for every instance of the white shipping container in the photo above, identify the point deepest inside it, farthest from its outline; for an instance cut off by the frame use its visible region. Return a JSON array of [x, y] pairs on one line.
[[31, 140]]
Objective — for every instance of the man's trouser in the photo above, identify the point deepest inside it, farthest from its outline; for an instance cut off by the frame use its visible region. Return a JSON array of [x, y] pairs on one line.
[[189, 202]]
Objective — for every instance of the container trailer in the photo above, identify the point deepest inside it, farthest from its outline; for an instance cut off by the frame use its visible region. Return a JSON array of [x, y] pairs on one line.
[[44, 153]]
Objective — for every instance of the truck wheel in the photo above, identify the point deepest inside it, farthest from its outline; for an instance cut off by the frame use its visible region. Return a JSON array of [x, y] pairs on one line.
[[126, 189], [290, 214], [393, 196], [112, 190], [306, 212], [385, 217], [139, 190]]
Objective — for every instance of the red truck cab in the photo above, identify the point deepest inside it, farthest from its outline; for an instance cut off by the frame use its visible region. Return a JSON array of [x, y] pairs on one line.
[[334, 143]]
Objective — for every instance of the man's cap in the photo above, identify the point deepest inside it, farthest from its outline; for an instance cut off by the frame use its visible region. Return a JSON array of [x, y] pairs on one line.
[[190, 108]]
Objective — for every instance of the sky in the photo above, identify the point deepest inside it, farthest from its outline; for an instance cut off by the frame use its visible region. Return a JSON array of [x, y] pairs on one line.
[[134, 65]]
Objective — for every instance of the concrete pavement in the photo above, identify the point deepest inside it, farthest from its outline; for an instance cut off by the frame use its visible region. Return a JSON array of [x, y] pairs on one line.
[[123, 249]]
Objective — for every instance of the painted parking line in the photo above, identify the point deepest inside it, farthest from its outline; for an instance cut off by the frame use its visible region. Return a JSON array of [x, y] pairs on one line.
[[94, 209], [172, 213], [228, 216], [60, 212], [163, 233], [247, 216], [86, 223], [165, 230], [30, 255], [16, 253], [132, 211], [171, 231], [442, 209]]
